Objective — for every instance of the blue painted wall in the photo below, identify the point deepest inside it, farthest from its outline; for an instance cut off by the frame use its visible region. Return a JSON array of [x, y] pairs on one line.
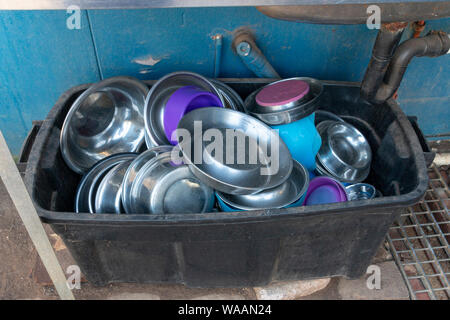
[[40, 58]]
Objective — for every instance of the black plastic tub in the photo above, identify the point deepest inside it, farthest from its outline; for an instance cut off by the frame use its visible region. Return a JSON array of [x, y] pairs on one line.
[[237, 249]]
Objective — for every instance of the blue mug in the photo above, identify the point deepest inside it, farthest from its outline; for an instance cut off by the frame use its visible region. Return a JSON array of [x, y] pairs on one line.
[[302, 140]]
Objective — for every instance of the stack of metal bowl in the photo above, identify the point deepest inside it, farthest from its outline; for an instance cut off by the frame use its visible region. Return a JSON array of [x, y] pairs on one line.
[[161, 96], [148, 183], [87, 200], [345, 153], [105, 129], [113, 120], [242, 185], [161, 186], [290, 193]]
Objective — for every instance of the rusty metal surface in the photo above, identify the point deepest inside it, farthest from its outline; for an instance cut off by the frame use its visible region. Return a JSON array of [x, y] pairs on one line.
[[140, 4], [357, 13], [419, 242]]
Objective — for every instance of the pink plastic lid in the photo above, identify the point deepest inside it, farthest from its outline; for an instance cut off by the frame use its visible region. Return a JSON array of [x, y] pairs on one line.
[[282, 93]]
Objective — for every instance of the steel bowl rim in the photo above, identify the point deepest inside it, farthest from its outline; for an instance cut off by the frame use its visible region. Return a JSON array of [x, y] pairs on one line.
[[163, 185], [293, 112], [127, 186], [358, 185], [297, 166], [233, 188], [105, 162], [151, 135], [230, 93], [77, 103], [137, 179], [359, 174], [150, 166], [110, 174]]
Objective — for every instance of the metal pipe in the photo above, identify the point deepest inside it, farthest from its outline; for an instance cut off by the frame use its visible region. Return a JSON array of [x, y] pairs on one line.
[[356, 13], [246, 48], [435, 44], [27, 212], [387, 41]]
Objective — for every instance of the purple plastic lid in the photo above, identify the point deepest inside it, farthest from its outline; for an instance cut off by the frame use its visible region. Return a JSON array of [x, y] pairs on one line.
[[282, 92], [182, 101], [324, 190]]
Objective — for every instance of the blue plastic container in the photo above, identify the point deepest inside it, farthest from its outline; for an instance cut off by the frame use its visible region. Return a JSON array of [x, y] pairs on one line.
[[302, 140]]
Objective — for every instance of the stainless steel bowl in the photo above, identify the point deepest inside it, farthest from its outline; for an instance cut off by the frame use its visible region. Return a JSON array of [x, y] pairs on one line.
[[290, 112], [241, 169], [345, 152], [360, 191], [87, 188], [321, 171], [160, 187], [134, 168], [281, 196], [157, 98], [148, 142], [231, 98], [106, 119], [108, 198]]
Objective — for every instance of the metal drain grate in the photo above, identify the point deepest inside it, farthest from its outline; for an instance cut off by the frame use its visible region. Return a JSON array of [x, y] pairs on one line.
[[420, 240]]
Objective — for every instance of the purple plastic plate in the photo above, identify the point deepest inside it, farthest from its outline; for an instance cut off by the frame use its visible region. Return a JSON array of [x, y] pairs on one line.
[[323, 190]]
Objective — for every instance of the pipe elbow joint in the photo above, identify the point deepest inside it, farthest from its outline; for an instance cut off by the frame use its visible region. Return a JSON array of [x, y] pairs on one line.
[[434, 44]]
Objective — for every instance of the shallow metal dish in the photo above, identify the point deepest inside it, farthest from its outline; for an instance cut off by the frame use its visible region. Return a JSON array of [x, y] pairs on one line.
[[360, 191], [109, 192], [160, 187], [157, 97], [345, 152], [106, 119], [87, 188], [231, 98], [281, 196], [287, 113], [246, 177], [134, 168]]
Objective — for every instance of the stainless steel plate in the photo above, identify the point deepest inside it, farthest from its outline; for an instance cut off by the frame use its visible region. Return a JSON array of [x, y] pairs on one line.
[[157, 98], [134, 168], [109, 192], [160, 187], [87, 188], [281, 196], [106, 119], [245, 166]]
